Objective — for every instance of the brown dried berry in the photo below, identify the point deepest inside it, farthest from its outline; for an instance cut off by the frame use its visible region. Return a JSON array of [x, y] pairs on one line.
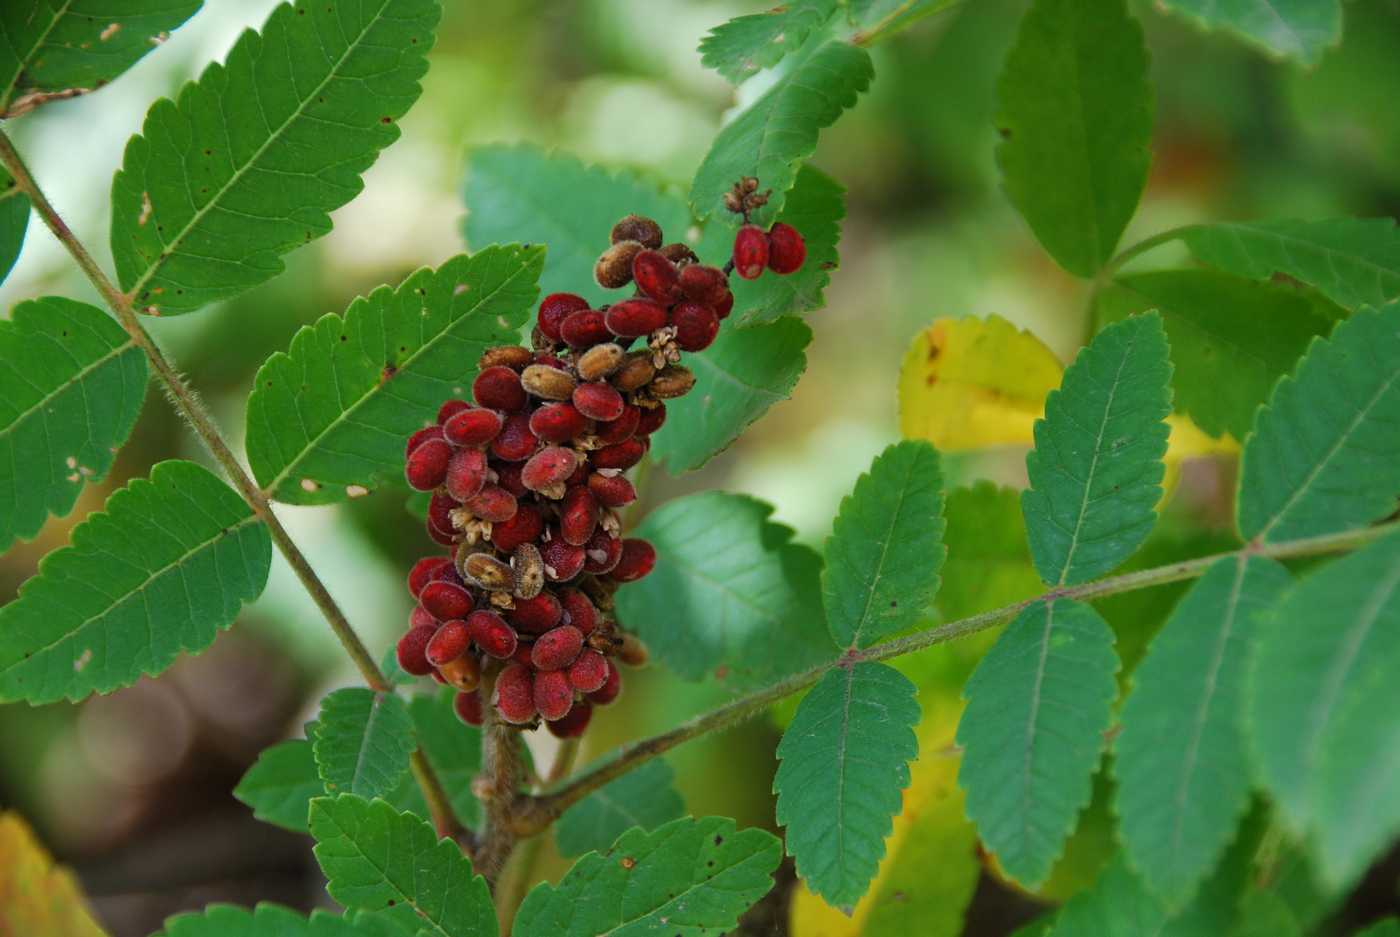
[[493, 503], [585, 329], [750, 251], [635, 317], [633, 652], [547, 382], [637, 228], [490, 632], [599, 401], [679, 254], [466, 473], [486, 572], [638, 559], [557, 648], [427, 465], [529, 571], [636, 371], [614, 269], [554, 697], [672, 381], [657, 277], [599, 361], [412, 650], [514, 357], [514, 694], [464, 673], [449, 643]]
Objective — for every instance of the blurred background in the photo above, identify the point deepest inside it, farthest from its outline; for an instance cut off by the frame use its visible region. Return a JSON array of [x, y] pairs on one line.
[[133, 789]]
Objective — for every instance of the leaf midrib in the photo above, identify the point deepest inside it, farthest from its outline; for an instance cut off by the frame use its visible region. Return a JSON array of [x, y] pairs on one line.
[[65, 385], [863, 620], [1235, 228], [171, 247], [1028, 751], [24, 59]]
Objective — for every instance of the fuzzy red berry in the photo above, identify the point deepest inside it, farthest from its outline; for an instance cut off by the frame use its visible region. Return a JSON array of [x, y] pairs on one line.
[[750, 252], [635, 317], [468, 707], [579, 513], [610, 689], [623, 456], [585, 329], [466, 473], [440, 508], [439, 535], [498, 388], [572, 725], [588, 672], [514, 696], [473, 427], [603, 551], [554, 697], [652, 419], [578, 610], [556, 648], [515, 443], [508, 477], [599, 401], [703, 284], [420, 617], [525, 526], [449, 409], [612, 491], [724, 305], [426, 466], [615, 431], [490, 632], [412, 648], [449, 643], [562, 560], [493, 504], [638, 558], [696, 326], [537, 615], [548, 468], [656, 276], [554, 309], [446, 600], [786, 249], [420, 437], [558, 422], [422, 572]]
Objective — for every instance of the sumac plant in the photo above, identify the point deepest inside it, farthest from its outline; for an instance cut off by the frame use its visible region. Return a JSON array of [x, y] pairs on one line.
[[1237, 768]]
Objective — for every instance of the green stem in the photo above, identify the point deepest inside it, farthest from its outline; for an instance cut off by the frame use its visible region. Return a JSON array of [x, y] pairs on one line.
[[1141, 247], [192, 409], [536, 813]]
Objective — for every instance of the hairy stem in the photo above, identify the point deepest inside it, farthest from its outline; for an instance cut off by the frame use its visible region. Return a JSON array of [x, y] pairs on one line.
[[192, 409], [536, 813], [498, 788]]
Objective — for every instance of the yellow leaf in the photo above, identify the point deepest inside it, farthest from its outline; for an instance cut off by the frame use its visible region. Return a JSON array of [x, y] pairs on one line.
[[930, 867], [37, 899]]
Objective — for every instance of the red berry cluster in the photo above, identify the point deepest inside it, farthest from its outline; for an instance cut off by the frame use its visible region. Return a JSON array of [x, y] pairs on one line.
[[528, 479]]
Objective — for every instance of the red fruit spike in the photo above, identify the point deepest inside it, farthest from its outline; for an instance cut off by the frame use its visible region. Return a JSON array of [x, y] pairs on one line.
[[562, 560], [638, 558], [703, 284], [422, 572], [525, 526], [468, 707], [491, 633], [623, 456], [588, 672], [446, 600], [615, 431], [449, 409], [440, 507], [613, 491], [508, 477], [554, 697], [515, 443], [634, 317], [421, 617], [427, 465], [473, 427], [420, 437], [493, 503], [466, 473], [514, 697], [574, 724], [656, 276], [498, 388], [603, 551], [652, 420], [724, 305], [609, 690], [556, 648], [599, 401], [585, 329], [554, 309], [786, 249], [558, 422], [750, 252], [696, 326], [437, 535], [579, 513], [578, 610], [537, 615], [548, 468], [412, 648], [448, 644]]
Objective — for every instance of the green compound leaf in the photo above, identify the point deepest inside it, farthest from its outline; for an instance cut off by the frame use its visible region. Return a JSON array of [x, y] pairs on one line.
[[1038, 705], [1231, 339], [377, 859], [14, 221], [1075, 114], [522, 193], [1324, 455], [251, 159], [453, 748], [1320, 672], [266, 920], [732, 598], [1352, 261], [842, 765], [1096, 470], [71, 385], [737, 379], [815, 206], [362, 742], [773, 136], [644, 798], [1180, 761], [281, 783], [53, 46], [327, 419], [989, 561], [1295, 29], [690, 877], [161, 570], [746, 45], [886, 547]]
